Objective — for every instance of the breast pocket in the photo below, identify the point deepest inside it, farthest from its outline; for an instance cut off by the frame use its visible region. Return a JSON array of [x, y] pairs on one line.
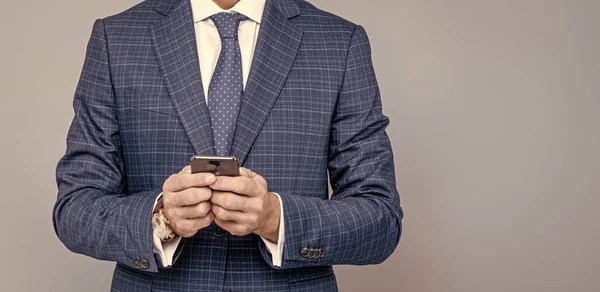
[[150, 102]]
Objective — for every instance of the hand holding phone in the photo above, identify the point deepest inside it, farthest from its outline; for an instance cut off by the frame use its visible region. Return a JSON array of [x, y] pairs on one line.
[[186, 202]]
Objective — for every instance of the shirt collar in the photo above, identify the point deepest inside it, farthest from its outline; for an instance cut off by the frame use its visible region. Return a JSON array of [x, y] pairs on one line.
[[253, 9]]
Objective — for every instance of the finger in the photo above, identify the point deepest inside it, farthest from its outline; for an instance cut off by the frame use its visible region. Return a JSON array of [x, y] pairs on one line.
[[188, 197], [229, 215], [247, 172], [229, 200], [182, 181], [239, 184], [187, 170], [189, 227], [195, 211], [233, 227]]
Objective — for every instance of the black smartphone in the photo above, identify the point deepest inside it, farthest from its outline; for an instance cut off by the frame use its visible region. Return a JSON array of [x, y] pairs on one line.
[[219, 165]]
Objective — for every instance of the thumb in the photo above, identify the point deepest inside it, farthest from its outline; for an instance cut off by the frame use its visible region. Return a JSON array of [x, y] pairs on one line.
[[247, 172]]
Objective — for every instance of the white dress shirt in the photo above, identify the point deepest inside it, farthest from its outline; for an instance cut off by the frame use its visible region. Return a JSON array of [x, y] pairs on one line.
[[209, 48]]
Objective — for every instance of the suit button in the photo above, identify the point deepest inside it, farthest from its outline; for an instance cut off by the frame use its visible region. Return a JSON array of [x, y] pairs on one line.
[[304, 252], [311, 253], [139, 264], [219, 232], [318, 253]]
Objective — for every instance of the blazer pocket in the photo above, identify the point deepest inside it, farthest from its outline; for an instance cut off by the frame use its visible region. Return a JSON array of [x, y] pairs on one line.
[[161, 104]]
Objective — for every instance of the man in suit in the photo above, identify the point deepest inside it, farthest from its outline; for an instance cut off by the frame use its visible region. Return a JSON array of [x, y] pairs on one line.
[[286, 88]]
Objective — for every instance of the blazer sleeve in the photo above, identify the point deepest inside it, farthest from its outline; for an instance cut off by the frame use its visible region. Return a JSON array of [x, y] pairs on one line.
[[94, 214], [361, 223]]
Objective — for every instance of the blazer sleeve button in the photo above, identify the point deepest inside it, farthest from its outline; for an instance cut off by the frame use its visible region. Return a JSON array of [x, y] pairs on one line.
[[318, 253], [144, 265], [304, 252], [139, 264]]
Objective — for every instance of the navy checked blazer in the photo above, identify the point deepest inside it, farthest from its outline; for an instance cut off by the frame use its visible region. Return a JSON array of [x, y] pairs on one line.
[[311, 110]]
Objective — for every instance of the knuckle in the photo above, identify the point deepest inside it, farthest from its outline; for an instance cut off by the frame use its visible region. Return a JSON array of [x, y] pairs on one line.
[[219, 222], [177, 181], [201, 194], [168, 184], [206, 221], [256, 188], [184, 181], [193, 195], [250, 187], [206, 193], [204, 208], [187, 226], [246, 204], [258, 207], [193, 192], [176, 226], [261, 208], [253, 218], [174, 213], [244, 229], [198, 224], [221, 213], [167, 200], [240, 185], [180, 198], [227, 200]]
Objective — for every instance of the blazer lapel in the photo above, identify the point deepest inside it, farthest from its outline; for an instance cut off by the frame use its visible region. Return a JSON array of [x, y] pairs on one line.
[[175, 44], [275, 52]]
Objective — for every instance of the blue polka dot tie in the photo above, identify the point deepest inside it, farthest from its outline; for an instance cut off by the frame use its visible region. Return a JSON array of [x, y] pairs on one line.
[[226, 86]]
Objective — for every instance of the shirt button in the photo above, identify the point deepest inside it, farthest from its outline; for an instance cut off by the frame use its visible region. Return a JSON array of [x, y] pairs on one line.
[[219, 232]]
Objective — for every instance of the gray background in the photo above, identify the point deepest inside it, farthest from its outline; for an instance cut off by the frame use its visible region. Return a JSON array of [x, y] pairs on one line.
[[494, 109]]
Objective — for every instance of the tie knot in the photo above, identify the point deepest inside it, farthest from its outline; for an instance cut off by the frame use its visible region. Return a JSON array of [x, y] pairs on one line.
[[227, 23]]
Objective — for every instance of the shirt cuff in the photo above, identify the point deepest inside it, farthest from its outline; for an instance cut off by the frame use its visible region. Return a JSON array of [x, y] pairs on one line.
[[276, 249], [165, 250]]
